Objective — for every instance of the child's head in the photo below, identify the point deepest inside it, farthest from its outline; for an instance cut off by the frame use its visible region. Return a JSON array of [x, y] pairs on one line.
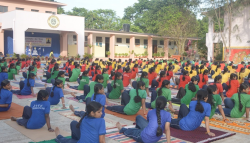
[[165, 84], [243, 63], [242, 70], [243, 88], [99, 78], [104, 70], [202, 95], [60, 74], [31, 68], [211, 89], [12, 65], [160, 104], [18, 63], [144, 75], [4, 69], [141, 86], [162, 74], [5, 84], [52, 61], [151, 70], [194, 80], [42, 95], [59, 84], [77, 66], [218, 79], [118, 76], [119, 67], [127, 69], [225, 70], [85, 73], [93, 109], [98, 89]]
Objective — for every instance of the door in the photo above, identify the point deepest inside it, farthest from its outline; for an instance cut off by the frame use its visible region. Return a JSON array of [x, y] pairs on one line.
[[106, 45], [154, 49]]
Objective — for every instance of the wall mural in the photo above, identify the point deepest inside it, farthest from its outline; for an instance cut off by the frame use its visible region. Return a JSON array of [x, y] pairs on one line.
[[238, 55]]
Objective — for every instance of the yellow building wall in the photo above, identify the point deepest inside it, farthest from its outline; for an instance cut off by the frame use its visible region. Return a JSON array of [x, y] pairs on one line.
[[99, 52], [72, 50], [121, 49], [86, 49], [140, 50]]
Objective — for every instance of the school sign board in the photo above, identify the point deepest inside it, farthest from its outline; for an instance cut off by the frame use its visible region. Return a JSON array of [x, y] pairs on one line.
[[38, 41]]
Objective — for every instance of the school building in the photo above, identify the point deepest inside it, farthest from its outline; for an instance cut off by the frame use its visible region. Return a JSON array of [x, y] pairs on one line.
[[33, 27]]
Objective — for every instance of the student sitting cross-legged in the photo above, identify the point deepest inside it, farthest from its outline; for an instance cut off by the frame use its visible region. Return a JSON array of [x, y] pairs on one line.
[[150, 130], [56, 94], [190, 118], [83, 80], [3, 74], [133, 101], [37, 114], [26, 86], [5, 96], [90, 129]]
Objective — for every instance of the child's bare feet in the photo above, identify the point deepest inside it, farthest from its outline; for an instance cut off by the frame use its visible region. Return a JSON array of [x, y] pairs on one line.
[[68, 85], [45, 86], [41, 78], [71, 108], [13, 118], [57, 131], [72, 93], [119, 126]]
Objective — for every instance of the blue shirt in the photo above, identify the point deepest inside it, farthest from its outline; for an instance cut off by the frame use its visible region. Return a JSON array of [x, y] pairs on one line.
[[27, 89], [39, 109], [102, 100], [194, 118], [148, 134], [91, 128], [3, 76], [58, 94], [5, 98]]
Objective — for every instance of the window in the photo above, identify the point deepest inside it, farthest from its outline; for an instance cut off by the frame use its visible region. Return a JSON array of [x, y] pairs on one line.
[[161, 42], [174, 43], [137, 41], [98, 39], [3, 8], [169, 43], [74, 38], [145, 42], [127, 40], [86, 38], [118, 40], [34, 10], [18, 8], [48, 11]]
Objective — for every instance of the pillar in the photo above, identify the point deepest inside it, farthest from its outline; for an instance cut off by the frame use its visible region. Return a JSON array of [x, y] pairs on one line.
[[1, 40], [90, 42], [132, 46], [112, 46], [64, 44], [150, 39], [18, 40], [80, 42], [166, 48]]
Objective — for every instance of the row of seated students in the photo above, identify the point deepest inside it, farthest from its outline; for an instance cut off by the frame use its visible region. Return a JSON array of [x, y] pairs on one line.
[[135, 98]]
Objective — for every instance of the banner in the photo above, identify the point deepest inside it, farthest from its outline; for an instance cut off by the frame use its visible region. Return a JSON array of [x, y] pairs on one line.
[[38, 41], [239, 55]]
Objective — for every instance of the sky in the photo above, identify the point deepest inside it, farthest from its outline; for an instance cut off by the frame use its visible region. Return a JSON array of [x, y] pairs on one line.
[[116, 5]]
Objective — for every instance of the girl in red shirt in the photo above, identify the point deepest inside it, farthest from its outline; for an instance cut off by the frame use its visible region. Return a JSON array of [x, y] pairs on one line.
[[83, 68], [109, 67], [217, 82], [184, 79], [151, 75], [51, 65], [23, 63], [233, 85], [92, 69], [203, 79], [119, 69], [170, 73], [161, 78], [38, 62], [97, 71], [127, 77], [66, 65], [134, 71]]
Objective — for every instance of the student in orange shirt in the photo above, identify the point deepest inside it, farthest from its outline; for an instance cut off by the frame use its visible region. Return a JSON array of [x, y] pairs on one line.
[[242, 65], [92, 69], [184, 79], [217, 82], [119, 69], [127, 77], [203, 79], [161, 78], [170, 74], [97, 71], [134, 71], [109, 67], [233, 85], [151, 75]]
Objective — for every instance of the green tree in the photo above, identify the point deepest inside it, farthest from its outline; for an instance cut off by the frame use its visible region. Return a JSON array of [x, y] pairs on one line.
[[203, 29], [60, 10]]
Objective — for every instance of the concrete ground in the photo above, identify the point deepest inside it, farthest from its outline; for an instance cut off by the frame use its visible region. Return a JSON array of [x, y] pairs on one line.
[[10, 135]]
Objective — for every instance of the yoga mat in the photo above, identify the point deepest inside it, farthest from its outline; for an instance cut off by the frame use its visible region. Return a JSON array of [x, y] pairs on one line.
[[15, 111], [199, 135], [127, 117], [110, 124], [174, 86], [234, 126], [37, 134], [115, 135], [72, 98], [49, 141], [24, 96]]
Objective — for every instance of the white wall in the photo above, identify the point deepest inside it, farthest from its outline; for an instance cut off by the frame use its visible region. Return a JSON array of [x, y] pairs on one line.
[[20, 21]]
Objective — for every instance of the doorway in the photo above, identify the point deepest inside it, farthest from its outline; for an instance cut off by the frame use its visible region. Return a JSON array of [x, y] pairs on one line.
[[106, 45], [154, 49]]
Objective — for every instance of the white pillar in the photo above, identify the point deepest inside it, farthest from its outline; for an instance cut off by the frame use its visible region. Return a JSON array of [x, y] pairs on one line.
[[18, 40], [80, 42]]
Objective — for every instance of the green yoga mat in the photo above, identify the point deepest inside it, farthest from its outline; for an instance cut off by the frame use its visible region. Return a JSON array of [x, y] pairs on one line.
[[50, 141]]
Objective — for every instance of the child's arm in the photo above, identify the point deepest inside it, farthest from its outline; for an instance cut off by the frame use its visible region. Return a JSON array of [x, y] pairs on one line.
[[47, 118], [63, 103], [222, 113], [102, 139], [147, 90], [207, 127], [167, 131], [247, 112], [143, 106], [222, 96], [14, 77], [170, 106], [4, 105], [32, 91]]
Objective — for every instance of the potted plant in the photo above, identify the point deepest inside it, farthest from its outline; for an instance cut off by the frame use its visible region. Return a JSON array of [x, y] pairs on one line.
[[108, 53], [90, 46], [91, 57], [169, 55], [155, 54], [162, 54], [77, 57], [119, 55], [116, 55], [145, 54], [42, 58]]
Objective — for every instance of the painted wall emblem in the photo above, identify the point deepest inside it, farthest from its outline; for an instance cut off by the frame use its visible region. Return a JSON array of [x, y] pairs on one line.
[[53, 21]]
